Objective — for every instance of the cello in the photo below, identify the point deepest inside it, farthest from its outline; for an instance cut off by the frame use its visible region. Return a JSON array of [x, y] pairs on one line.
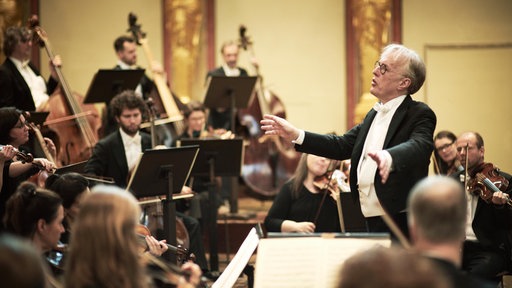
[[268, 162], [75, 123]]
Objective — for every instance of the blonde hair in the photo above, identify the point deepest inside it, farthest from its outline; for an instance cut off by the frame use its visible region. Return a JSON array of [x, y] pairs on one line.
[[104, 250]]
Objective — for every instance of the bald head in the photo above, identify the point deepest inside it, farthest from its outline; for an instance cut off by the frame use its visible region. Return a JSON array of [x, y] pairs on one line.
[[437, 210]]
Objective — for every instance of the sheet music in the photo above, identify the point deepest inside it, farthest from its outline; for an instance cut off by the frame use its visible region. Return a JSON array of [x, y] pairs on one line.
[[238, 263], [306, 261]]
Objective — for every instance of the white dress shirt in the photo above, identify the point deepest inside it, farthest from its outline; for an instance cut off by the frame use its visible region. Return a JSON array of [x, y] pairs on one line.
[[35, 83]]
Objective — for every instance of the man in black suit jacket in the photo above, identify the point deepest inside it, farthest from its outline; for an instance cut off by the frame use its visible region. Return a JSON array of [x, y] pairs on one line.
[[220, 118], [390, 150], [21, 84], [487, 248], [437, 222]]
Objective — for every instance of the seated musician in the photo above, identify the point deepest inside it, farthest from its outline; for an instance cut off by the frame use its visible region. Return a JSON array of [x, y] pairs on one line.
[[300, 201], [104, 249], [14, 132], [445, 154], [117, 154], [35, 214], [487, 251]]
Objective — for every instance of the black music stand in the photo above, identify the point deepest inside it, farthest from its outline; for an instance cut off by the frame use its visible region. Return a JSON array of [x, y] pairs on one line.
[[217, 157], [163, 172], [107, 83], [229, 92], [38, 118]]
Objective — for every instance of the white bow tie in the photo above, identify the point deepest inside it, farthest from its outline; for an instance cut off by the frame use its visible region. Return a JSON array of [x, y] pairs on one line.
[[379, 107], [135, 139]]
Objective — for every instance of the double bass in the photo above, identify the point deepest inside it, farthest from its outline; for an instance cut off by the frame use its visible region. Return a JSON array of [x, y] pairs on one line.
[[268, 162], [76, 124]]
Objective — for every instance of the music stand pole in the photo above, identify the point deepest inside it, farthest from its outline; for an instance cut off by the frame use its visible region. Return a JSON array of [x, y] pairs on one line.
[[212, 203], [169, 210]]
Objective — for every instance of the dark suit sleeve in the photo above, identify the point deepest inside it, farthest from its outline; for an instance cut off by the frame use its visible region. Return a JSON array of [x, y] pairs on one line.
[[330, 146], [99, 160], [51, 85]]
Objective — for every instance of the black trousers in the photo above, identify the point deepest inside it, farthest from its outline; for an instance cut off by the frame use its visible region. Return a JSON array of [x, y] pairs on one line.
[[376, 224]]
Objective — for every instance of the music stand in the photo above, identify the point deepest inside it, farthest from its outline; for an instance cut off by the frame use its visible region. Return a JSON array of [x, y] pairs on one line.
[[163, 172], [38, 118], [107, 83], [76, 167], [229, 92], [217, 157]]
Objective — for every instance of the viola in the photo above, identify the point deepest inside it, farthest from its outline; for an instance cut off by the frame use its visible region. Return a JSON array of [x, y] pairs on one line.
[[485, 180], [182, 253]]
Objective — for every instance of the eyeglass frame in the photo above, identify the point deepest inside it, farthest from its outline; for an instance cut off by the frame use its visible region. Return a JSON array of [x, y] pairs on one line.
[[383, 68], [20, 125], [439, 149]]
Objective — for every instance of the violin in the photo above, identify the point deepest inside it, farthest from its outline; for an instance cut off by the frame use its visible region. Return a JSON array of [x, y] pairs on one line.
[[485, 180], [23, 157], [182, 253]]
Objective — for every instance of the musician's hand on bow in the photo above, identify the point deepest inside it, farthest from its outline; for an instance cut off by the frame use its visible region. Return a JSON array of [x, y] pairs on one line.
[[499, 198], [186, 190], [384, 162], [273, 125], [155, 247], [51, 147], [56, 62], [44, 164]]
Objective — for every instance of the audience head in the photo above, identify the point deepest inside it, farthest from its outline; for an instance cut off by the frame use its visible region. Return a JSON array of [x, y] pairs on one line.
[[229, 51], [12, 127], [126, 49], [17, 42], [474, 143], [399, 71], [390, 267], [437, 211], [105, 229], [36, 214], [72, 188], [21, 265]]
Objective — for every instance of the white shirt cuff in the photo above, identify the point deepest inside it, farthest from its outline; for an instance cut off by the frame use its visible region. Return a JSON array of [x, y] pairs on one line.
[[300, 139]]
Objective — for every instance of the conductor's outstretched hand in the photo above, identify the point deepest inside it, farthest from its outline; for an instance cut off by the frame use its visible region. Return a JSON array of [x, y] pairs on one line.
[[273, 125]]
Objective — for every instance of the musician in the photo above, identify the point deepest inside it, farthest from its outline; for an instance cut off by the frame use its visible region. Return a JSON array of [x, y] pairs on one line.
[[117, 154], [104, 249], [35, 214], [21, 84], [437, 222], [221, 117], [22, 266], [14, 132], [487, 251], [296, 206], [390, 149], [445, 154]]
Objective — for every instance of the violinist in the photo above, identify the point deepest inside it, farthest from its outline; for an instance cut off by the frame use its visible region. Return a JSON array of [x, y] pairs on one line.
[[295, 207], [487, 251], [21, 84], [104, 249], [445, 154], [35, 214], [14, 132]]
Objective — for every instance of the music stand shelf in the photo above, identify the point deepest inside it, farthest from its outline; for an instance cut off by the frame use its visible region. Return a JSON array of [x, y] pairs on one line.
[[107, 83]]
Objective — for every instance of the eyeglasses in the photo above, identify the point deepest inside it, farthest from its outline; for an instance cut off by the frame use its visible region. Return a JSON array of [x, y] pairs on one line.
[[460, 149], [383, 68], [20, 125], [441, 148]]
